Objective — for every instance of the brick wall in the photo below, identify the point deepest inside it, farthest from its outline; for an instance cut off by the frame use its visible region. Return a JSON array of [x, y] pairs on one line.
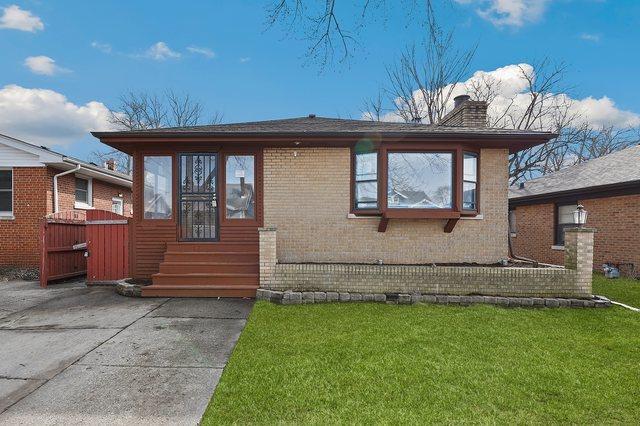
[[307, 197], [19, 244], [572, 281], [33, 199], [616, 220]]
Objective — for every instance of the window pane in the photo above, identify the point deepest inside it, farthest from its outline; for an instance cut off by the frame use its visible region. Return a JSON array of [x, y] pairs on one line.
[[367, 166], [470, 167], [240, 191], [5, 201], [565, 213], [5, 179], [157, 187], [420, 180], [117, 206], [82, 184], [469, 196], [366, 195]]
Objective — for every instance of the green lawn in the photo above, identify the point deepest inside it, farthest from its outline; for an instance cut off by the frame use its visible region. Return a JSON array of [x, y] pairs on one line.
[[622, 290], [376, 363]]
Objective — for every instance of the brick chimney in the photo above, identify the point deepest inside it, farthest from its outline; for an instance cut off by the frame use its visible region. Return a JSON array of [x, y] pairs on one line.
[[110, 164], [466, 113]]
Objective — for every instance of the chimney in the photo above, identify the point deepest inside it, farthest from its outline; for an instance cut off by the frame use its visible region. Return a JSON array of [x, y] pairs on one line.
[[466, 113], [110, 164]]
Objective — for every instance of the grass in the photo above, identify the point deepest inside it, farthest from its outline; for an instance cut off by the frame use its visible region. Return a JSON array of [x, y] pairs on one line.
[[376, 363], [623, 290]]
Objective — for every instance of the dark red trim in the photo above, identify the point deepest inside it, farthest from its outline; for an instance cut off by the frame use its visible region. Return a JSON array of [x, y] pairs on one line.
[[451, 223]]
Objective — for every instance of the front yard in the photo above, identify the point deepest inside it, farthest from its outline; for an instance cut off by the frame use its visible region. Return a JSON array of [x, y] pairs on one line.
[[376, 363]]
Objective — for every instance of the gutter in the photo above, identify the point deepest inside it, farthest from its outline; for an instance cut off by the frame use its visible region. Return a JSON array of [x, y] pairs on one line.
[[56, 204], [99, 170]]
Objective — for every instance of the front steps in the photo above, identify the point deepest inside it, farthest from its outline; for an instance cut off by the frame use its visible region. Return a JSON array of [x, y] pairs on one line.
[[228, 269]]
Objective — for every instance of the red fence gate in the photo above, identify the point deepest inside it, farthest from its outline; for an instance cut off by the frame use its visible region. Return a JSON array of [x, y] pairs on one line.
[[107, 246], [62, 238], [74, 243]]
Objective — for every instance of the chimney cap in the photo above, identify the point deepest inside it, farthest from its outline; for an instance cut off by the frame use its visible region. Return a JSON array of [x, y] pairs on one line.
[[458, 100], [521, 186], [312, 116]]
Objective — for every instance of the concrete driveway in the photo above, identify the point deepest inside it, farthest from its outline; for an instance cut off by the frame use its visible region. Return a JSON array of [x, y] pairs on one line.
[[76, 355]]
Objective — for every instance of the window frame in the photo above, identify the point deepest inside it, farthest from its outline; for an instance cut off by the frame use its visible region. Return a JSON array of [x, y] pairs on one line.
[[477, 182], [120, 201], [9, 214], [383, 149], [354, 202], [81, 204], [172, 186], [222, 188], [557, 227]]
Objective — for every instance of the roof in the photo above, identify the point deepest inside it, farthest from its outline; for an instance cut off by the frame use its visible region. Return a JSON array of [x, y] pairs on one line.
[[618, 168], [56, 159], [312, 125]]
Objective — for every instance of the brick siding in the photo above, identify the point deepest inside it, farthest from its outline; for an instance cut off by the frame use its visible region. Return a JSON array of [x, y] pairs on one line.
[[33, 199], [616, 220], [307, 197]]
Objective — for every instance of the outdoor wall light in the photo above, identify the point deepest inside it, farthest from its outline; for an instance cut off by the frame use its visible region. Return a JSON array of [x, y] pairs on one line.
[[580, 216]]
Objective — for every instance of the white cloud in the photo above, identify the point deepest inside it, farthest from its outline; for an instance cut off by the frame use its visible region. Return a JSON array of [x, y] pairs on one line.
[[14, 18], [511, 92], [43, 65], [47, 117], [160, 52], [103, 47], [204, 51], [509, 13], [245, 59], [590, 37]]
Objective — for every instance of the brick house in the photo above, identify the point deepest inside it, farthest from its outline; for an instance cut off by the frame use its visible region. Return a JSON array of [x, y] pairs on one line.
[[34, 182], [324, 203], [609, 189]]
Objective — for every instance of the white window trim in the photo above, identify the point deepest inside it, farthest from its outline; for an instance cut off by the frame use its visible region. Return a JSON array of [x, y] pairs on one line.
[[118, 200], [80, 205], [8, 215], [559, 248]]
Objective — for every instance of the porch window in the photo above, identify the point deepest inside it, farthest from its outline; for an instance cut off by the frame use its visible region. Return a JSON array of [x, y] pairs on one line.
[[564, 221], [157, 187], [6, 192], [240, 196], [420, 180], [366, 180], [470, 181]]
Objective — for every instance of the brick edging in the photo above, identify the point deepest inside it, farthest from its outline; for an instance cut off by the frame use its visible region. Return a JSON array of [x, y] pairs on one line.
[[307, 297]]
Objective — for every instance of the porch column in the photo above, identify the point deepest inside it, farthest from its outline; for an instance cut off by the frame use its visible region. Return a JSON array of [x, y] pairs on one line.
[[268, 256], [578, 255]]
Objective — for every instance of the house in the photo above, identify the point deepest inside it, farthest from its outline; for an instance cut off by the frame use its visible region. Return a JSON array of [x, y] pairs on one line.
[[222, 209], [609, 189], [35, 182]]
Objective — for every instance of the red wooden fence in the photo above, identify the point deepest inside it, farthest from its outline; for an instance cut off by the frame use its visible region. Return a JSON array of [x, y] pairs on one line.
[[65, 237], [61, 243], [107, 246]]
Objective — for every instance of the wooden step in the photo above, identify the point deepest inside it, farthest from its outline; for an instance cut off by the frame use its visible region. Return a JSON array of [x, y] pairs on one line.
[[223, 257], [197, 279], [209, 267], [212, 247], [199, 291]]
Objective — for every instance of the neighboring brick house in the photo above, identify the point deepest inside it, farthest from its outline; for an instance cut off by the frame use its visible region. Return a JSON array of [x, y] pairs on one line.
[[350, 192], [27, 194], [609, 189]]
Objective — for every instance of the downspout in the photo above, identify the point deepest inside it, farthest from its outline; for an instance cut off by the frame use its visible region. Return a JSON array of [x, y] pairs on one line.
[[514, 256], [56, 206]]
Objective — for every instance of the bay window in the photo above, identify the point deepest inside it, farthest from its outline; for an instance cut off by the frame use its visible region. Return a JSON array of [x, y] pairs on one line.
[[419, 180], [366, 180]]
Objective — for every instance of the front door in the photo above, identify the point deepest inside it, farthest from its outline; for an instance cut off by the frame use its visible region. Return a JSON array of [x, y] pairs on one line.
[[198, 197]]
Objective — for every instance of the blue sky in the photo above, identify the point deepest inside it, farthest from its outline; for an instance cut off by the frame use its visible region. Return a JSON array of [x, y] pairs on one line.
[[101, 50]]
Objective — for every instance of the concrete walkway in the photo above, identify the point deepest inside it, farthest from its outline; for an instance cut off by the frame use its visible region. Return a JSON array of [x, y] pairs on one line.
[[76, 355]]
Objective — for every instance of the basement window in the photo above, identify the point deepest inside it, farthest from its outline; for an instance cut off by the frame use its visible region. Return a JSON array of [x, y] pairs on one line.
[[6, 193]]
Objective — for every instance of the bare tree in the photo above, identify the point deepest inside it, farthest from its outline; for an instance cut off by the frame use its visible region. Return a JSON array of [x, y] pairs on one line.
[[143, 111], [325, 27]]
